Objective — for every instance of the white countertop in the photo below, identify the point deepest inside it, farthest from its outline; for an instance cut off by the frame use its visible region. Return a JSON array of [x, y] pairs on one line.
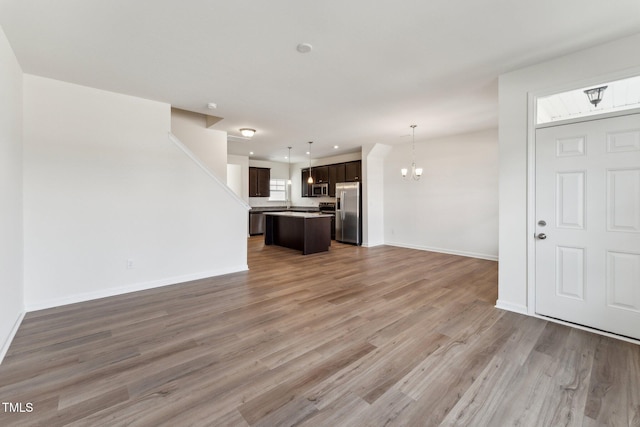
[[299, 214]]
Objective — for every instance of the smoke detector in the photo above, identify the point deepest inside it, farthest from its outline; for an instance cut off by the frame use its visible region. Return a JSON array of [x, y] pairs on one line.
[[304, 48]]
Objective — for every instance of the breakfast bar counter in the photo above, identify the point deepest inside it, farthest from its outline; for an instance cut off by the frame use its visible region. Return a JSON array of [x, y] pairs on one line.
[[308, 232]]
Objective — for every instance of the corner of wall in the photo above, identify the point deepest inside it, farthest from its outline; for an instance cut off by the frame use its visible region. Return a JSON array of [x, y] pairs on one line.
[[11, 195]]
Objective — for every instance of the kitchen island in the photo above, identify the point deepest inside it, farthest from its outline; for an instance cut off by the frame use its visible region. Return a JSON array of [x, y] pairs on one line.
[[308, 232]]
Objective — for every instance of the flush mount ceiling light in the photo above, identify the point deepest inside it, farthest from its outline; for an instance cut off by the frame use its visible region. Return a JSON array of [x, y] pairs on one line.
[[212, 106], [416, 173], [595, 95], [304, 48], [248, 133], [310, 180]]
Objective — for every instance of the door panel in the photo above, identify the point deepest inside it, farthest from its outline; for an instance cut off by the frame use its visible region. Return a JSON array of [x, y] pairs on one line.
[[623, 141], [570, 272], [570, 201], [623, 274], [587, 254], [623, 200]]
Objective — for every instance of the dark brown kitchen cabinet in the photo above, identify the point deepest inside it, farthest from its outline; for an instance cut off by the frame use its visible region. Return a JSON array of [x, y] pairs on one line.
[[259, 182], [320, 174], [353, 171], [336, 174], [332, 174], [306, 187]]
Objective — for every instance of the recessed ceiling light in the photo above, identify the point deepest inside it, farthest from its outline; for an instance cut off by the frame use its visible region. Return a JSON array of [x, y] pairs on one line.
[[251, 153], [308, 152], [304, 48], [336, 147], [212, 106]]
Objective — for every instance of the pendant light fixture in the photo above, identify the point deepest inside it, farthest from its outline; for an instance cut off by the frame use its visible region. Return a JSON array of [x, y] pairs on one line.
[[416, 173], [288, 186], [310, 180], [289, 157]]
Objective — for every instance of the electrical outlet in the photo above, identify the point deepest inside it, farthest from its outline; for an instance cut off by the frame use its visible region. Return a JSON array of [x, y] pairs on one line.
[[129, 263]]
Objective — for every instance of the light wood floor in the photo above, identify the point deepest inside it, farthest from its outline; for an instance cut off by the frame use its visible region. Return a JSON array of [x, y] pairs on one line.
[[355, 337]]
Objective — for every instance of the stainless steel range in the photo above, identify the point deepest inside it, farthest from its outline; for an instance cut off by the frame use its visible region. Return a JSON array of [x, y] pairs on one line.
[[330, 209]]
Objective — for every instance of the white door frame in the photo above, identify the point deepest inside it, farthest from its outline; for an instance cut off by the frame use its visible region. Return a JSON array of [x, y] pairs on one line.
[[532, 102]]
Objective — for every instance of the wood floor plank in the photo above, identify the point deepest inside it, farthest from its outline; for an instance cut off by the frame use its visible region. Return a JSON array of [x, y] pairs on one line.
[[353, 336], [437, 389], [564, 402], [526, 393], [261, 406], [608, 398], [488, 392], [348, 406]]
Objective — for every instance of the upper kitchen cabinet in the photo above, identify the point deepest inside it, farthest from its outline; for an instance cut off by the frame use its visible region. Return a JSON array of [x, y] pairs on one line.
[[353, 171], [320, 174], [259, 182], [306, 187], [331, 174], [336, 174]]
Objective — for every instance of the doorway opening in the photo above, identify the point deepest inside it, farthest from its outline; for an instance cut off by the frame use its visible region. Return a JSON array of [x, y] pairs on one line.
[[585, 216]]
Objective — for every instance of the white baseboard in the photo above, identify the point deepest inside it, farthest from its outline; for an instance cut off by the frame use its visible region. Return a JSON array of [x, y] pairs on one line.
[[109, 292], [7, 343], [372, 244], [445, 251], [516, 308]]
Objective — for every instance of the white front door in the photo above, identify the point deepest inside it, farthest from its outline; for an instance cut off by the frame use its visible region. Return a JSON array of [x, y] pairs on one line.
[[587, 257]]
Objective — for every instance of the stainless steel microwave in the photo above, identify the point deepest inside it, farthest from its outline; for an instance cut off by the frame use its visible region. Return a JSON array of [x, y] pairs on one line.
[[319, 190]]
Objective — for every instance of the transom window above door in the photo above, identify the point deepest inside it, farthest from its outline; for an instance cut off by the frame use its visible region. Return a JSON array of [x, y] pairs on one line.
[[619, 95]]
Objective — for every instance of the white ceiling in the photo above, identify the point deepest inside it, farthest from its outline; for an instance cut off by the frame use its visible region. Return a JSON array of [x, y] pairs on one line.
[[376, 67]]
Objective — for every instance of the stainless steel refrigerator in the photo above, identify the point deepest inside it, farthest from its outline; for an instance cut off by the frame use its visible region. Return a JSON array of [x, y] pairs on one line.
[[348, 213]]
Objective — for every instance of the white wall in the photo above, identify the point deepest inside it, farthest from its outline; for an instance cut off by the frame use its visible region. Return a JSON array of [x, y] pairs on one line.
[[103, 184], [373, 157], [11, 256], [602, 63], [234, 178], [210, 146], [454, 206], [243, 163]]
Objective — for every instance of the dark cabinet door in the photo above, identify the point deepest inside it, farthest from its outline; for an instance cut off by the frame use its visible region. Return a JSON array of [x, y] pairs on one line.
[[320, 174], [264, 184], [253, 182], [306, 188], [259, 182], [336, 174], [352, 171]]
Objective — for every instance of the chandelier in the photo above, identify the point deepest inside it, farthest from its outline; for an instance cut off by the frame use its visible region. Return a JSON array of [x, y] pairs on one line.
[[416, 173]]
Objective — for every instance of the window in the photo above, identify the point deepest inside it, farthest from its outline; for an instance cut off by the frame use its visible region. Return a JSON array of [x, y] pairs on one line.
[[278, 190], [619, 95]]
